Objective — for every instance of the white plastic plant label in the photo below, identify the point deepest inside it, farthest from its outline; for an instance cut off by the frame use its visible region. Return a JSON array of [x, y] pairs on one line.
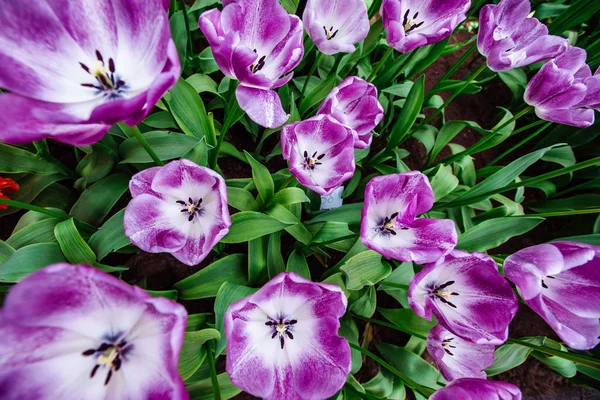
[[334, 200]]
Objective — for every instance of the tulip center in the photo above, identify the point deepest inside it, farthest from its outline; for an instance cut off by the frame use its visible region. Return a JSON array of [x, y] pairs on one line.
[[442, 293], [258, 64], [191, 208], [388, 225], [106, 81], [410, 23], [281, 328], [108, 356], [447, 345], [544, 277], [330, 33], [312, 161]]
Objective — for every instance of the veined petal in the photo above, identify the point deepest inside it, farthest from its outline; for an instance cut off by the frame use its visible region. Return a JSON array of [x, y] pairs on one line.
[[468, 296], [456, 357], [59, 321], [560, 281], [282, 342], [263, 106], [477, 389], [320, 151], [336, 26]]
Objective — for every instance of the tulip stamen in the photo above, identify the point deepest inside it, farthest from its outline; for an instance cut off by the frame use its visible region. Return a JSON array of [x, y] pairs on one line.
[[258, 64], [329, 33], [312, 161], [389, 225], [191, 208], [443, 295], [544, 283], [109, 356], [281, 328], [106, 80], [446, 344], [410, 24]]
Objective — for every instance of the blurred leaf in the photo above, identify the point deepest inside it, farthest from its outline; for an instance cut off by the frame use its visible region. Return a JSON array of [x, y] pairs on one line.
[[290, 195], [509, 356], [160, 120], [411, 365], [578, 12], [30, 187], [75, 249], [241, 199], [516, 80], [262, 178], [295, 228], [39, 232], [493, 232], [443, 181], [203, 390], [206, 282], [193, 352], [14, 160], [275, 263], [317, 94], [407, 117], [94, 166], [28, 260], [408, 321], [366, 304], [348, 213], [203, 83], [96, 202], [228, 294], [579, 202], [248, 225], [188, 110], [110, 237], [297, 263], [167, 146], [366, 268], [180, 35]]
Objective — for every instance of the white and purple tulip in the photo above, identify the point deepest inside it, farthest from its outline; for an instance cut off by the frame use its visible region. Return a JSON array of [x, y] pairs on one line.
[[561, 282], [283, 342], [389, 224], [320, 151], [509, 39], [354, 103], [416, 23], [564, 90], [180, 208], [456, 357], [467, 295], [336, 25], [477, 389], [92, 64], [73, 332], [258, 43]]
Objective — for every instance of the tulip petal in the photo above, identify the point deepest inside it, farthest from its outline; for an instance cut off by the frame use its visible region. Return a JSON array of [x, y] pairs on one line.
[[262, 106], [477, 389]]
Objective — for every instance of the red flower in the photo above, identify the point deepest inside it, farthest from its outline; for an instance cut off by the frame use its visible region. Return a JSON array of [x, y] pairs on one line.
[[7, 186]]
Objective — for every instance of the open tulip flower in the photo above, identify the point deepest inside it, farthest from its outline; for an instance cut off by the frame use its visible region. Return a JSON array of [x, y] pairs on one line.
[[255, 42], [560, 93], [73, 332], [561, 282], [283, 342], [91, 64], [416, 23], [320, 151], [389, 226], [336, 25], [456, 357], [509, 39], [477, 389], [180, 208], [354, 103], [467, 295]]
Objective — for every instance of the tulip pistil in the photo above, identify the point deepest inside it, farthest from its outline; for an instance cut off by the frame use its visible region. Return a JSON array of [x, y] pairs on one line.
[[447, 345], [312, 161], [281, 328], [330, 33], [440, 292], [108, 356], [106, 80], [191, 208]]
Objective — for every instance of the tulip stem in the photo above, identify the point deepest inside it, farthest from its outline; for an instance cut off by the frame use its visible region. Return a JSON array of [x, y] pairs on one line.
[[425, 391], [522, 142], [466, 83], [450, 72], [386, 55], [576, 358], [213, 372], [142, 140], [313, 67], [31, 207]]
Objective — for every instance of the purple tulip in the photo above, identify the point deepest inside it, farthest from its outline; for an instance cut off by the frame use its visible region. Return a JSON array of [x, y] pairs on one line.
[[354, 103], [320, 151], [336, 26], [389, 226], [91, 64], [456, 357], [180, 208], [561, 282], [416, 23], [74, 332], [509, 39], [477, 389], [283, 342], [559, 91], [467, 295], [255, 42]]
